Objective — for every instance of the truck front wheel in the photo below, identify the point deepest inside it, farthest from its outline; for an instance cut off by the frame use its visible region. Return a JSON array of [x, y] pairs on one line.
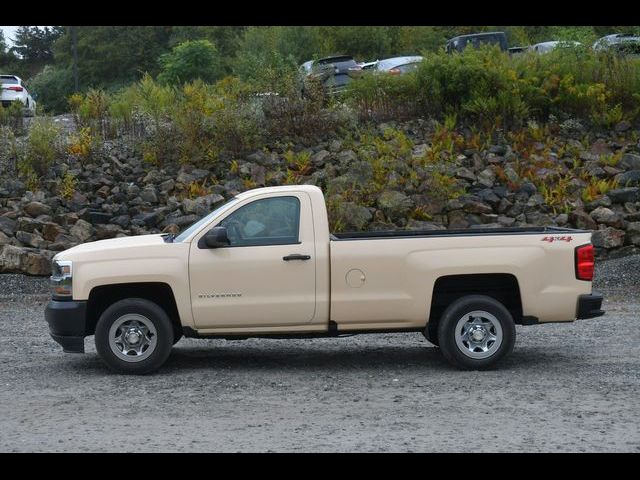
[[134, 336], [475, 332]]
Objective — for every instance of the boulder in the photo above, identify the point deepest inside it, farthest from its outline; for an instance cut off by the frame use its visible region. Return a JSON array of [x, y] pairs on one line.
[[149, 194], [607, 216], [63, 242], [25, 260], [346, 157], [465, 174], [320, 158], [35, 209], [457, 219], [31, 240], [82, 230], [633, 233], [487, 177], [154, 176], [30, 225], [473, 206], [352, 216], [184, 177], [608, 238], [107, 231], [50, 231], [97, 217], [581, 219], [7, 225], [422, 225], [624, 195], [167, 185], [629, 179], [630, 161], [123, 220], [394, 204]]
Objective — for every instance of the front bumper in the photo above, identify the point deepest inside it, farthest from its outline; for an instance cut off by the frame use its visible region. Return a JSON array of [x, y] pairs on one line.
[[589, 306], [67, 324]]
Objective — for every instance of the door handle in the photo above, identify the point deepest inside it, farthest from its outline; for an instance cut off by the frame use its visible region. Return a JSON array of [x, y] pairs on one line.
[[296, 256]]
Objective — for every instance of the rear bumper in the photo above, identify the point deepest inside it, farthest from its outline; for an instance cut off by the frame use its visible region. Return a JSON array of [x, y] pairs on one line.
[[67, 324], [589, 306]]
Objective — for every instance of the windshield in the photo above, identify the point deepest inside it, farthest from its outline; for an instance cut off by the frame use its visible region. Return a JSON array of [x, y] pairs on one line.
[[196, 226]]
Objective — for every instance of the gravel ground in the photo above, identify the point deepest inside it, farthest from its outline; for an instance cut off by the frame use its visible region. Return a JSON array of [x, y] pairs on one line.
[[568, 387]]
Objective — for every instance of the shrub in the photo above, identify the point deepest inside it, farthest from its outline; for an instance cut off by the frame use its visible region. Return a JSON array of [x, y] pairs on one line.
[[83, 144], [12, 116], [67, 185], [189, 61], [379, 96], [53, 86], [41, 149]]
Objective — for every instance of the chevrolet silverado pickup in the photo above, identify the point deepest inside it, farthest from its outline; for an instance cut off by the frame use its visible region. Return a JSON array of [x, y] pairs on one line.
[[264, 264]]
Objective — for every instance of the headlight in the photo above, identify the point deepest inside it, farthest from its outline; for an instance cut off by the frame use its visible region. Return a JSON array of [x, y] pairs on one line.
[[61, 278]]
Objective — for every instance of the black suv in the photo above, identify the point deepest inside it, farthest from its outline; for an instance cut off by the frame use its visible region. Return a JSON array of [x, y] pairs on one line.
[[333, 73]]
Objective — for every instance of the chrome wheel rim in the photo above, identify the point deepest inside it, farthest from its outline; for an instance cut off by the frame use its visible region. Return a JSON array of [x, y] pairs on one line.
[[478, 334], [133, 337]]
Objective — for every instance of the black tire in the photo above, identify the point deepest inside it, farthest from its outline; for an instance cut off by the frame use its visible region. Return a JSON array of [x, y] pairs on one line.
[[164, 336], [455, 313]]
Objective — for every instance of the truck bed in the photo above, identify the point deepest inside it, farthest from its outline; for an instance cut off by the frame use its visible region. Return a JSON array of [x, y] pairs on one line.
[[374, 235]]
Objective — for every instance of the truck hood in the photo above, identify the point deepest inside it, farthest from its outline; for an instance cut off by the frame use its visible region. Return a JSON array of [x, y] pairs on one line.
[[114, 247]]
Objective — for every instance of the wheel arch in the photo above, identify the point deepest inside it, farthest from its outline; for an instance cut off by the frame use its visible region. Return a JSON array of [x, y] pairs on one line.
[[102, 296], [503, 287]]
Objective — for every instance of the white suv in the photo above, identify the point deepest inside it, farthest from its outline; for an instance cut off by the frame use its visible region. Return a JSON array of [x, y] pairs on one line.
[[12, 89]]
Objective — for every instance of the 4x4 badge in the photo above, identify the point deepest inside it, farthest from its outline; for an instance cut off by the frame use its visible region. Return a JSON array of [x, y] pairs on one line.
[[550, 239]]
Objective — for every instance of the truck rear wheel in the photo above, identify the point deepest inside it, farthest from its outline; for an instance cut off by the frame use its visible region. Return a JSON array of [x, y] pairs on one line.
[[134, 336], [475, 332]]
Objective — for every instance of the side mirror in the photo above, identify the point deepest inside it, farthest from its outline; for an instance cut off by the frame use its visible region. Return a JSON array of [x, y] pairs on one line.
[[216, 237]]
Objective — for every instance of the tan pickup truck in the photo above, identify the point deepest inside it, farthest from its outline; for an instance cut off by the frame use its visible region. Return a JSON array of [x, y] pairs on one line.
[[265, 265]]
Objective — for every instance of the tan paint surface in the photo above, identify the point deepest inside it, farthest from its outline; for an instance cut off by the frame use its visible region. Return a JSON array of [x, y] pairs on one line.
[[375, 284]]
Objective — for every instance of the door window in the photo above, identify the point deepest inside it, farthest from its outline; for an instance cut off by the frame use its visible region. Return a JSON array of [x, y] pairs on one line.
[[271, 221]]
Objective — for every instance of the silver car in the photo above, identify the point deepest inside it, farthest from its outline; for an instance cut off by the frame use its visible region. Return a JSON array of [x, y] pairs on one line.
[[398, 65], [545, 47], [622, 42]]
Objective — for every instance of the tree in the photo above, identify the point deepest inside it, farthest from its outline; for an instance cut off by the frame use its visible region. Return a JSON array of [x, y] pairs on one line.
[[363, 42], [191, 60], [34, 45], [225, 38], [113, 56]]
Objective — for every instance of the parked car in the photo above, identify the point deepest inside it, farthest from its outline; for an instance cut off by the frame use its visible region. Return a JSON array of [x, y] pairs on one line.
[[13, 89], [517, 50], [459, 43], [545, 47], [619, 42], [333, 73], [368, 65], [264, 264], [398, 65]]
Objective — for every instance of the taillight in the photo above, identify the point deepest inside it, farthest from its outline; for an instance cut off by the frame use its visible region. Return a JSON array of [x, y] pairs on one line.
[[16, 89], [585, 262]]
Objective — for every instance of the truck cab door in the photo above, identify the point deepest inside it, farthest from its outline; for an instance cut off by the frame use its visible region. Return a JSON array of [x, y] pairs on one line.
[[265, 276]]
